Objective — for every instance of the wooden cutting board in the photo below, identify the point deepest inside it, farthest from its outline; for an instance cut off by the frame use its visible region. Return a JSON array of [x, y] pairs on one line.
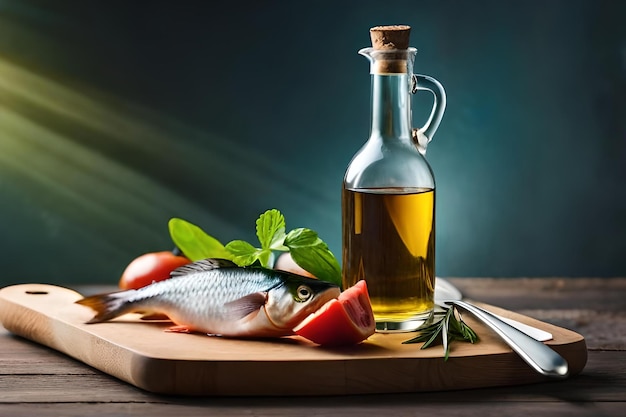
[[142, 354]]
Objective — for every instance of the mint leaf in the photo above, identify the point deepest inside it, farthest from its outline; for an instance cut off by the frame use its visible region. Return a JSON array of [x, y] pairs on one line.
[[270, 229], [243, 253], [305, 246], [194, 242], [266, 258], [313, 255], [302, 237]]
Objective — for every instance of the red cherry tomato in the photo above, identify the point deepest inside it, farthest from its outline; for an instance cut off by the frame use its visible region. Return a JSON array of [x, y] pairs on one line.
[[149, 268], [347, 320]]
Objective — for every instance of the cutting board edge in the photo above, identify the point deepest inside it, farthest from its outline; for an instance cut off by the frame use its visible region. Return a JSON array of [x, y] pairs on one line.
[[152, 372]]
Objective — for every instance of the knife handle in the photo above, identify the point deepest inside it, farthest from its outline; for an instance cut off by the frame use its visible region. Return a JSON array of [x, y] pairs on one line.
[[539, 356]]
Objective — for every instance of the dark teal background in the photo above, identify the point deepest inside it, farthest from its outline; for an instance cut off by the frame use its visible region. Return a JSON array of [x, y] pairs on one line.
[[117, 115]]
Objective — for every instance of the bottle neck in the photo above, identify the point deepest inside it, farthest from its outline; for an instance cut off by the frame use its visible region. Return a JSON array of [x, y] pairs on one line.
[[391, 107]]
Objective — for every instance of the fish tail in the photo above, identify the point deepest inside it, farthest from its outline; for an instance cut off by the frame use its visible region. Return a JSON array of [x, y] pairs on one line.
[[106, 306]]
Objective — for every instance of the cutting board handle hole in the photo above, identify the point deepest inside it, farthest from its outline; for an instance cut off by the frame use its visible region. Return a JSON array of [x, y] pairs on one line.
[[37, 292]]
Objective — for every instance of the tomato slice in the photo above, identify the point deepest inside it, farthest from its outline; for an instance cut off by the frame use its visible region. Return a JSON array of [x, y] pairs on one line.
[[347, 320], [149, 268]]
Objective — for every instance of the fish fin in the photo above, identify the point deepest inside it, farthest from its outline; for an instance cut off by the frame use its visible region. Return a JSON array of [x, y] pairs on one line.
[[106, 306], [243, 306], [180, 329], [202, 265]]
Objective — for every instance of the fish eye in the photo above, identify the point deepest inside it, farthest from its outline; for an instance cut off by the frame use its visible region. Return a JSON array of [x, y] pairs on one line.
[[303, 293]]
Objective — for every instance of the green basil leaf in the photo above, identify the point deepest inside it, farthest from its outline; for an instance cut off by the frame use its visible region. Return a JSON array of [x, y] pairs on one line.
[[194, 242], [301, 237], [265, 258], [270, 229], [313, 255], [242, 253]]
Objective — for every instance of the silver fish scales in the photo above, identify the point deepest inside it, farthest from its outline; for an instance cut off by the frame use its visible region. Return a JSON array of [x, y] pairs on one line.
[[214, 296]]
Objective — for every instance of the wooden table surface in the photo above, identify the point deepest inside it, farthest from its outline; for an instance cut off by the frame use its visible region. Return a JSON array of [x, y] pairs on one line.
[[37, 381]]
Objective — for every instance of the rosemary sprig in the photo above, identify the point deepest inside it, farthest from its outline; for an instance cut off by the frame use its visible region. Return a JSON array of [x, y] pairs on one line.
[[449, 328]]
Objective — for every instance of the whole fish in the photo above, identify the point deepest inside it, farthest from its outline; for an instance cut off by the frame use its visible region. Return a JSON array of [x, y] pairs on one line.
[[215, 296]]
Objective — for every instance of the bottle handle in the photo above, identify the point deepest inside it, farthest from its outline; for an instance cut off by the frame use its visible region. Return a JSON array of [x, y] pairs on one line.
[[423, 135]]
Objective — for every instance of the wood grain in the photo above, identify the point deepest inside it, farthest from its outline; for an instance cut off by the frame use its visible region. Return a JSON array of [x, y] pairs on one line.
[[143, 355], [295, 410]]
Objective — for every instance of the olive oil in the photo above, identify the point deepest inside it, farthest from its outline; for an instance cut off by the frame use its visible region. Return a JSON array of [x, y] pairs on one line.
[[388, 192], [389, 241]]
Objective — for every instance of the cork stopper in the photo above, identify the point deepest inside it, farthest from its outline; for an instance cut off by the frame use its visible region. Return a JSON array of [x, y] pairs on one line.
[[390, 37], [394, 39]]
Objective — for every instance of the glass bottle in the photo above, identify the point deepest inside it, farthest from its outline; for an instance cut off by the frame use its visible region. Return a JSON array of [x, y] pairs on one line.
[[388, 196]]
